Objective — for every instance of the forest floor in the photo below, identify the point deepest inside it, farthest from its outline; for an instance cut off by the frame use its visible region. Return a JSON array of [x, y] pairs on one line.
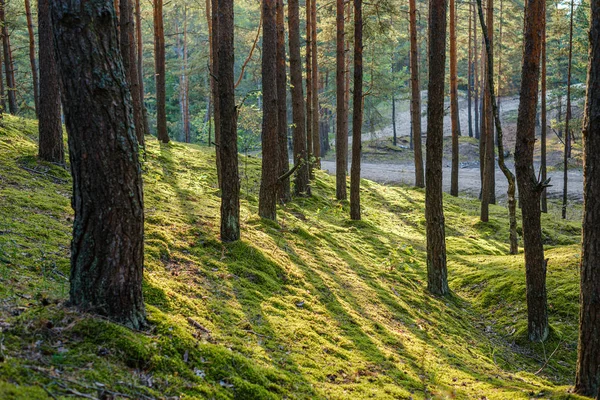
[[388, 164], [314, 306]]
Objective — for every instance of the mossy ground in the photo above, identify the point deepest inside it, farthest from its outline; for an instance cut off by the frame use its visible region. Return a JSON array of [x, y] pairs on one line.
[[314, 306]]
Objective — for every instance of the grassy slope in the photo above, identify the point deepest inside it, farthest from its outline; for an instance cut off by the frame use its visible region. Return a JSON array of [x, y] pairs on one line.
[[316, 306]]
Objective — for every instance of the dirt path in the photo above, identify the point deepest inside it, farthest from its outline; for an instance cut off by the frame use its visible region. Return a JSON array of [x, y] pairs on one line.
[[468, 179]]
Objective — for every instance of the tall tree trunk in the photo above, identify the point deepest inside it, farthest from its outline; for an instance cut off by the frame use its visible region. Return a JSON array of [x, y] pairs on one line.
[[49, 125], [567, 138], [357, 112], [2, 94], [341, 135], [487, 134], [107, 251], [267, 204], [415, 87], [140, 65], [544, 128], [299, 130], [470, 76], [315, 91], [309, 88], [282, 126], [529, 187], [227, 146], [587, 380], [159, 62], [476, 82], [437, 275], [128, 50], [184, 83], [34, 72], [453, 100], [8, 64], [512, 203]]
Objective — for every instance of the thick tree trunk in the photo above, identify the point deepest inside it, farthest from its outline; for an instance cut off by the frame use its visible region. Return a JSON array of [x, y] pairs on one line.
[[282, 126], [470, 77], [140, 65], [587, 380], [8, 64], [357, 113], [415, 87], [315, 91], [159, 62], [128, 50], [107, 251], [34, 72], [437, 275], [512, 204], [49, 125], [341, 135], [299, 130], [544, 128], [453, 100], [487, 134], [227, 146], [529, 187], [214, 63], [567, 138], [267, 204]]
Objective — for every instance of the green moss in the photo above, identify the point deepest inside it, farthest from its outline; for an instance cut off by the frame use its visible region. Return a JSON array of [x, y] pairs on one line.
[[313, 306]]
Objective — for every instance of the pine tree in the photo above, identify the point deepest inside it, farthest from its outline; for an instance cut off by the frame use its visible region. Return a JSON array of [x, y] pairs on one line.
[[357, 113], [416, 96], [341, 135], [159, 63]]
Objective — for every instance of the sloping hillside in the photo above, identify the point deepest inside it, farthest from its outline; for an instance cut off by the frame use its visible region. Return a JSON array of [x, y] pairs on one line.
[[316, 306]]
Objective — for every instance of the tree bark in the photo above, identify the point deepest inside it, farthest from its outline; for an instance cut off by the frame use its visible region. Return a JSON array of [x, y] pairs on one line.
[[11, 87], [487, 135], [299, 129], [415, 86], [49, 125], [529, 187], [214, 62], [437, 275], [587, 380], [230, 182], [544, 128], [341, 135], [470, 76], [309, 88], [357, 112], [453, 100], [34, 72], [267, 204], [128, 50], [282, 126], [159, 62], [476, 83], [140, 65], [107, 251], [567, 138], [315, 91]]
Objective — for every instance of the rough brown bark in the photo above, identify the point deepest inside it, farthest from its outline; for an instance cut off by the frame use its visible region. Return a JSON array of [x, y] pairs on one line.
[[567, 138], [512, 203], [159, 65], [315, 91], [267, 203], [8, 64], [437, 275], [230, 182], [476, 83], [2, 94], [487, 134], [415, 87], [341, 134], [309, 88], [453, 100], [34, 72], [128, 50], [299, 130], [49, 125], [140, 64], [470, 76], [587, 380], [107, 251], [544, 128], [282, 127], [357, 113], [214, 62], [529, 187]]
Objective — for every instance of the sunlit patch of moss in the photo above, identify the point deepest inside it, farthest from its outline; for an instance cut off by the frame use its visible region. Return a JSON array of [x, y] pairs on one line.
[[312, 306]]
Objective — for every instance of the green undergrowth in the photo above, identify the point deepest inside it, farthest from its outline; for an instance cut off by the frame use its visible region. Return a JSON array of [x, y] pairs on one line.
[[313, 306]]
